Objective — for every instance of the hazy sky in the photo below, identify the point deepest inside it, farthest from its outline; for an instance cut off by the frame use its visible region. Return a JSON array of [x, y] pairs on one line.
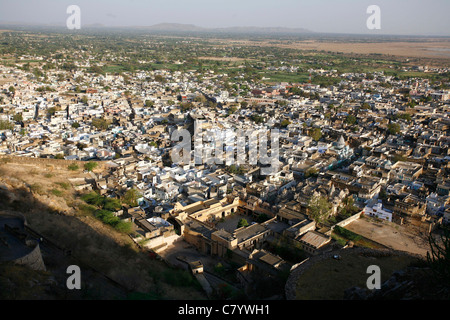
[[402, 17]]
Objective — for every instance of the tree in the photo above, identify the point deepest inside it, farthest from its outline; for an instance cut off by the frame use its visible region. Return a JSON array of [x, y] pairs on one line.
[[84, 100], [257, 118], [438, 259], [160, 78], [311, 172], [12, 89], [96, 69], [232, 110], [262, 217], [73, 167], [242, 223], [319, 208], [350, 119], [51, 111], [89, 166], [131, 196], [282, 103], [200, 98], [75, 125], [6, 125], [393, 128], [316, 134], [186, 106], [285, 123], [100, 124], [18, 117], [365, 106]]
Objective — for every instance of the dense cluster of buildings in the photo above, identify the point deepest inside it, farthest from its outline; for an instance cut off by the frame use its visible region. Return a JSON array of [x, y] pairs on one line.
[[359, 140]]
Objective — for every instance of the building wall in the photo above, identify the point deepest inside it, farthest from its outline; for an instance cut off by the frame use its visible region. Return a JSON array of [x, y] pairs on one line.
[[378, 212]]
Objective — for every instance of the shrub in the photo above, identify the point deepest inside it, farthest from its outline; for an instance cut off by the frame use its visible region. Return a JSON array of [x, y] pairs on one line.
[[37, 188], [179, 278], [219, 268], [262, 218], [89, 166], [57, 192], [438, 258], [347, 233], [73, 167], [242, 223], [109, 204], [64, 185], [93, 198], [105, 211], [86, 210], [124, 227], [131, 196]]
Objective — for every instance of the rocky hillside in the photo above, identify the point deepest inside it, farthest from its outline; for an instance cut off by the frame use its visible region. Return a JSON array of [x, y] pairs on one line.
[[108, 259]]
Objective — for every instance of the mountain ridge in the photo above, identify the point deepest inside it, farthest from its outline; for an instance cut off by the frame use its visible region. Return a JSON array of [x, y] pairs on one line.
[[177, 27]]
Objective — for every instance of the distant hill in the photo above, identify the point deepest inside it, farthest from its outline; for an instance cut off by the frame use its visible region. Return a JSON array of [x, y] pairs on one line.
[[177, 27]]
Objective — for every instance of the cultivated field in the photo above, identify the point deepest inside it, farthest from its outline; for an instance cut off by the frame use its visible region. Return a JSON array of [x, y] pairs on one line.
[[427, 48]]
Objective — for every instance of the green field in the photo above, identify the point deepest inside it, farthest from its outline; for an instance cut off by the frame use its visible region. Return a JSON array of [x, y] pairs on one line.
[[285, 77]]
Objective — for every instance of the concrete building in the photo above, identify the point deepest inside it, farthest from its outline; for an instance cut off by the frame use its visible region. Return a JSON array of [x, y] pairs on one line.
[[375, 209]]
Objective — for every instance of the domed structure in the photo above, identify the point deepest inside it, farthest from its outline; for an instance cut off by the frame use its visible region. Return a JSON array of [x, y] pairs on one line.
[[341, 149], [340, 144]]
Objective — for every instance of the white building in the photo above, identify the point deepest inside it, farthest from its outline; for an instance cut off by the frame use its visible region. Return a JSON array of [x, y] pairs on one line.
[[375, 209]]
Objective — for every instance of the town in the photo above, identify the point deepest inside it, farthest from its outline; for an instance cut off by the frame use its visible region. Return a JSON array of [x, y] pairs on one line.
[[363, 142]]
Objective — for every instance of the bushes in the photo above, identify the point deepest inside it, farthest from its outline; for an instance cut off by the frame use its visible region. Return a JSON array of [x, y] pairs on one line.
[[108, 217], [242, 223], [57, 192], [64, 185], [347, 233], [131, 196], [438, 259], [105, 203], [89, 166], [73, 167], [105, 211], [6, 125], [180, 278]]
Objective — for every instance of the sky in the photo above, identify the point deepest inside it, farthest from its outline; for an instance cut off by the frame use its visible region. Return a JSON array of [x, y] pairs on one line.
[[398, 17]]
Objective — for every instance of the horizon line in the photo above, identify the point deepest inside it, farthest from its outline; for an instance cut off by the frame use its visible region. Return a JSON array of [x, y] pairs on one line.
[[306, 31]]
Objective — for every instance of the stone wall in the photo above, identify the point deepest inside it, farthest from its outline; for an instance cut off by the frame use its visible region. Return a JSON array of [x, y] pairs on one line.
[[32, 260], [347, 221], [61, 163]]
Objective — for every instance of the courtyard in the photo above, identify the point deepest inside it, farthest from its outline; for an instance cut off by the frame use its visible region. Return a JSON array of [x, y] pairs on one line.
[[394, 236]]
